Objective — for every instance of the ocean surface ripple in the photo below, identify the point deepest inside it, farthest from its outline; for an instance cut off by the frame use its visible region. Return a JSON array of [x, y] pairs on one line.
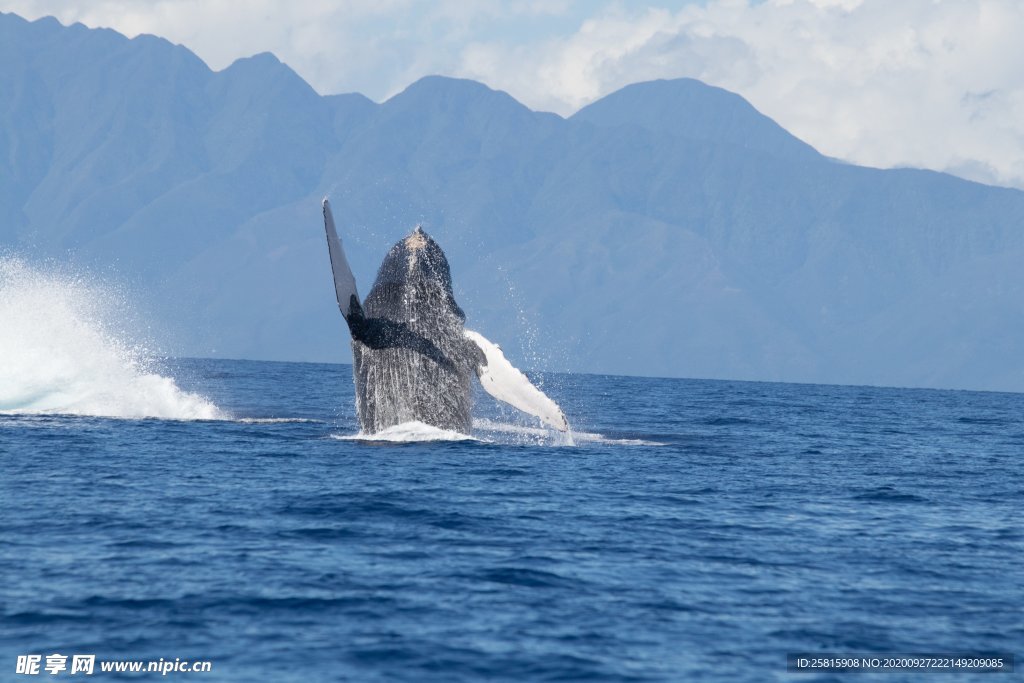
[[700, 531]]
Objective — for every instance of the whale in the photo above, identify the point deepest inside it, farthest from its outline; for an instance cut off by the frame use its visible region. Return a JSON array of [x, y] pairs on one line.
[[413, 360]]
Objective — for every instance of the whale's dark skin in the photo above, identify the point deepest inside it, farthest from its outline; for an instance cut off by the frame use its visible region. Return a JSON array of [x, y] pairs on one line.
[[411, 360]]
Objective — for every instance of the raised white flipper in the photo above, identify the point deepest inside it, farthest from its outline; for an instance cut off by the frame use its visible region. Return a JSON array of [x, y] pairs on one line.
[[344, 280], [504, 382]]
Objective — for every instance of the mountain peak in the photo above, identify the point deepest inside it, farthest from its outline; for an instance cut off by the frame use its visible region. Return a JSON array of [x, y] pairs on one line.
[[436, 83], [451, 93], [264, 71], [261, 62], [264, 58], [689, 108], [16, 28]]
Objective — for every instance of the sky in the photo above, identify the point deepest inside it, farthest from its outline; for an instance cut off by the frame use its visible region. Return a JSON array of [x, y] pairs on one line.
[[925, 83]]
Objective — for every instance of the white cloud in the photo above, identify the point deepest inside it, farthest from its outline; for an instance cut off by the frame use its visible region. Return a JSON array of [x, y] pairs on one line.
[[376, 47], [909, 83], [931, 83]]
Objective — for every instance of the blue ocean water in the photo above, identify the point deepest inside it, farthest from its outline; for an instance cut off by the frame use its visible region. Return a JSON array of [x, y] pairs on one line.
[[701, 531]]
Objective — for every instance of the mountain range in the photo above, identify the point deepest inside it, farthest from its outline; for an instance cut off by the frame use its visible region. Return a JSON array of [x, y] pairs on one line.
[[666, 229]]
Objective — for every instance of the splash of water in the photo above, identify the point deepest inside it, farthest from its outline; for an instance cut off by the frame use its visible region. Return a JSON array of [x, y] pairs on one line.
[[409, 432], [492, 432], [62, 351], [520, 434]]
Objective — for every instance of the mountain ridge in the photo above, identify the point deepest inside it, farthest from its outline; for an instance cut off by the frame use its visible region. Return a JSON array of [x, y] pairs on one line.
[[706, 112], [667, 229]]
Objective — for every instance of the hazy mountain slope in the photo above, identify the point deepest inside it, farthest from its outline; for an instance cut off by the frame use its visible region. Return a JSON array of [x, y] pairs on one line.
[[667, 229], [688, 108]]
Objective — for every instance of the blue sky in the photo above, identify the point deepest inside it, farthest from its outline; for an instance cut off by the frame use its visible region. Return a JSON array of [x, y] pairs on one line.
[[926, 83]]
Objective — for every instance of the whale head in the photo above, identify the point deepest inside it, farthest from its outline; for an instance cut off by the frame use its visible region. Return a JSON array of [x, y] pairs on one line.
[[414, 278]]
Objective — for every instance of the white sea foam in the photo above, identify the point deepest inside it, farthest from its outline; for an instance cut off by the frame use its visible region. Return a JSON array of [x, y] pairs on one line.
[[62, 351], [523, 434], [273, 420], [409, 432], [489, 431], [555, 438]]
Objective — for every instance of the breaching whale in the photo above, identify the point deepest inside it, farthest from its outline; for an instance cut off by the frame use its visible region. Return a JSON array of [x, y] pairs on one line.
[[412, 359]]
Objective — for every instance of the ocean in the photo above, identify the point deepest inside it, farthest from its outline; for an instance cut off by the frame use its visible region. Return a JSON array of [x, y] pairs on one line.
[[690, 530], [227, 515]]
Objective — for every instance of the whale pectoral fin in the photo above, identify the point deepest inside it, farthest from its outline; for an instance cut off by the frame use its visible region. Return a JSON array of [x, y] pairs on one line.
[[504, 382], [344, 281]]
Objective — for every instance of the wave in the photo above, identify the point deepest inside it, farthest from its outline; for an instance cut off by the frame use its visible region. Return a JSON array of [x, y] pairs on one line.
[[522, 434], [408, 432], [274, 420], [64, 350], [556, 438], [489, 431]]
